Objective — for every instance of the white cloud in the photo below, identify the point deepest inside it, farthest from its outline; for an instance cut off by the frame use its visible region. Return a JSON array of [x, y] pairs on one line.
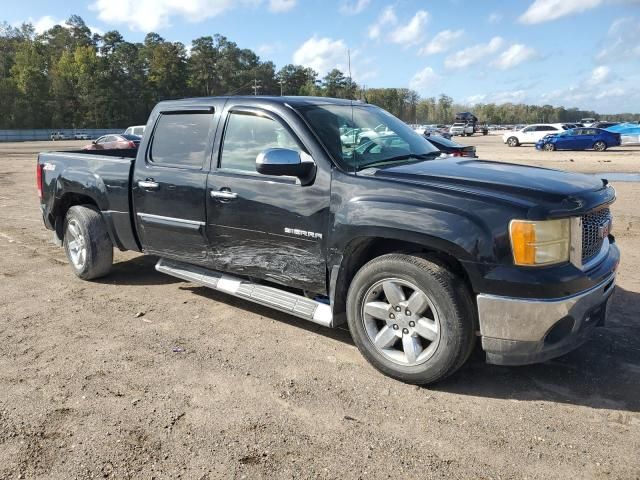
[[150, 15], [387, 17], [412, 32], [599, 75], [353, 7], [495, 18], [47, 22], [322, 54], [441, 42], [508, 96], [514, 55], [474, 54], [423, 80], [281, 5], [547, 10], [44, 23], [622, 42]]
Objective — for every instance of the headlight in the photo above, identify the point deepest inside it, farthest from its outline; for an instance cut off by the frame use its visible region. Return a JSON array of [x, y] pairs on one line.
[[541, 242]]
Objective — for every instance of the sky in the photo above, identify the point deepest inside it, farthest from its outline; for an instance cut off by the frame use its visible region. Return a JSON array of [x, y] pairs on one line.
[[575, 53]]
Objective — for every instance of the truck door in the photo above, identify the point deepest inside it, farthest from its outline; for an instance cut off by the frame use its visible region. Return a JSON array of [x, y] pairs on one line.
[[169, 184], [263, 226]]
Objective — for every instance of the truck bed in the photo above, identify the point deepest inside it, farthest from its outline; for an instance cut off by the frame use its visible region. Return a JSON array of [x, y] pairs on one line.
[[102, 177]]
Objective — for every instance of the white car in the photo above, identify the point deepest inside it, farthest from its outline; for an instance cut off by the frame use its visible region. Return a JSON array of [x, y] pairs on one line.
[[461, 129], [60, 136], [136, 130], [531, 133], [358, 136]]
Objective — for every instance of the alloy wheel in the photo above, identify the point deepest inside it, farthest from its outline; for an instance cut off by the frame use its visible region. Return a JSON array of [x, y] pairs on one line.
[[401, 321], [76, 244]]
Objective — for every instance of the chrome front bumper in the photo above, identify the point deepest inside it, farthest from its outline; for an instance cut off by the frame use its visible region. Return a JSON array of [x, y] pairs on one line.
[[519, 331]]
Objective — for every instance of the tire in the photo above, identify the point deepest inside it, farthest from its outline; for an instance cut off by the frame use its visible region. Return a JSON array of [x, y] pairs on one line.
[[419, 347], [600, 146], [549, 147], [513, 142], [87, 243]]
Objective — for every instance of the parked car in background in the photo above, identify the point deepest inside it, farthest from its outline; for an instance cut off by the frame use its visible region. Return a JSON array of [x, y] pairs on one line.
[[461, 129], [114, 142], [452, 148], [135, 130], [604, 124], [530, 134], [81, 136], [60, 136], [586, 122], [580, 139]]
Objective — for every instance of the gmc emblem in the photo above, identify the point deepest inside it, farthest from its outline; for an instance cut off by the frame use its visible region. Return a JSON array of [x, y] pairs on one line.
[[603, 230]]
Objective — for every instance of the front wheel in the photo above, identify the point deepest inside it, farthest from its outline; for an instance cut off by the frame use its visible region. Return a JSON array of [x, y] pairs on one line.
[[599, 146], [411, 318], [87, 243], [549, 147], [513, 142]]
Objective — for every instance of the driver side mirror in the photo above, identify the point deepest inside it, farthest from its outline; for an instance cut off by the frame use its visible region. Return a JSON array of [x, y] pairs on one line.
[[286, 162]]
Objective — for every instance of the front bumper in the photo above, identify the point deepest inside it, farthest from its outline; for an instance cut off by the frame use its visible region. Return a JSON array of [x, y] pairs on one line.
[[520, 331]]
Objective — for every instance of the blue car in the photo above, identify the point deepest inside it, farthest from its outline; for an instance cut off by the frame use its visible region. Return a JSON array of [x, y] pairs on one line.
[[580, 139]]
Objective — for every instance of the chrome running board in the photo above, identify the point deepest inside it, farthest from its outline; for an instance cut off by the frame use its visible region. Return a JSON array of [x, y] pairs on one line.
[[284, 301]]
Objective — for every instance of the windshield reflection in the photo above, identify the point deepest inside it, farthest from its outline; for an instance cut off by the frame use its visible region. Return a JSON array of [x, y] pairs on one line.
[[362, 136]]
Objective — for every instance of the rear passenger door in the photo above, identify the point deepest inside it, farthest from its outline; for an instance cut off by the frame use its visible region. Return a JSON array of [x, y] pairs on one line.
[[169, 184]]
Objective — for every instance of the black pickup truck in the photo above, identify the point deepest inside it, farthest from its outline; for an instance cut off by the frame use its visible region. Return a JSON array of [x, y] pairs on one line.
[[261, 198]]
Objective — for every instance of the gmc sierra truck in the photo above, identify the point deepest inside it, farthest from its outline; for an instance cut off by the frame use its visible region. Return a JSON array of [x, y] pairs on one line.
[[417, 252]]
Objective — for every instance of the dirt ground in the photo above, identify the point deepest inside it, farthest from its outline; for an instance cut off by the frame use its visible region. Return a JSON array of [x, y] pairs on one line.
[[141, 375]]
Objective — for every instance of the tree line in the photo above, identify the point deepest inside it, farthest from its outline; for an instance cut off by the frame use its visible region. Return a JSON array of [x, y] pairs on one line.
[[70, 77]]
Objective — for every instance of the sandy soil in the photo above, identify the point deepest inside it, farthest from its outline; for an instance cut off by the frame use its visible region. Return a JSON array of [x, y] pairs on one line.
[[90, 384]]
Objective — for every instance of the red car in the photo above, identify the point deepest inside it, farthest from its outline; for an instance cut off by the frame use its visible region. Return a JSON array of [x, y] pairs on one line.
[[114, 142]]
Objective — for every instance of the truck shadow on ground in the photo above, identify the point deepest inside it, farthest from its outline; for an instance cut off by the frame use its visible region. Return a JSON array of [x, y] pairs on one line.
[[603, 373]]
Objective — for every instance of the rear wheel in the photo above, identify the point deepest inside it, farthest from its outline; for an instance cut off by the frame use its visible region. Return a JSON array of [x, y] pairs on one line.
[[549, 147], [600, 146], [411, 318], [513, 142], [87, 243]]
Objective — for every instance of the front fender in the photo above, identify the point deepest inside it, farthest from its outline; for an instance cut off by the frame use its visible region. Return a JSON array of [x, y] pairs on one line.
[[458, 233]]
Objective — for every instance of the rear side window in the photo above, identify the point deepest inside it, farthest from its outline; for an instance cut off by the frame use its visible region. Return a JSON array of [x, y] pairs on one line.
[[247, 135], [181, 140]]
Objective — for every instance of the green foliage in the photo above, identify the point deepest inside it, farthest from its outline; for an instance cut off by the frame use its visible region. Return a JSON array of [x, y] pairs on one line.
[[71, 77]]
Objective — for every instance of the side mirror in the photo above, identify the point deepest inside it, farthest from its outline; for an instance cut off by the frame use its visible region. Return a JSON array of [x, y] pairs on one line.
[[94, 141], [286, 162]]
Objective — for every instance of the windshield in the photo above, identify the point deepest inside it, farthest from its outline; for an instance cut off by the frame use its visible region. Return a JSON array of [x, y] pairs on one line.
[[365, 136]]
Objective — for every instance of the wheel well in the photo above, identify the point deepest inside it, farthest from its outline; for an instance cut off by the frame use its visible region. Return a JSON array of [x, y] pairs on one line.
[[361, 251], [65, 203]]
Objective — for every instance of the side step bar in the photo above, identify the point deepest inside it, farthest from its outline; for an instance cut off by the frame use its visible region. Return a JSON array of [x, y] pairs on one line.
[[284, 301]]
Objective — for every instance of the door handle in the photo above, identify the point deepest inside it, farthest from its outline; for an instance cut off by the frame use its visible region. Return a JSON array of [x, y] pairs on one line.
[[223, 194], [148, 184]]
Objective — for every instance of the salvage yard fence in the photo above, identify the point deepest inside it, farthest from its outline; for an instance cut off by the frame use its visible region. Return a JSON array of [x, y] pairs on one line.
[[45, 134]]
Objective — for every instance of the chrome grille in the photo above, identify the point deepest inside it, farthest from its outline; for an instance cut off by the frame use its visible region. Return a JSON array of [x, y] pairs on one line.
[[592, 238]]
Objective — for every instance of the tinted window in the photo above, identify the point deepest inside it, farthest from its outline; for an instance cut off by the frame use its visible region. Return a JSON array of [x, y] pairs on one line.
[[247, 135], [181, 139], [529, 129]]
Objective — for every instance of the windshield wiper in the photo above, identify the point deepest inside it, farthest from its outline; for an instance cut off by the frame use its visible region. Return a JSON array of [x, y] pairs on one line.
[[401, 158]]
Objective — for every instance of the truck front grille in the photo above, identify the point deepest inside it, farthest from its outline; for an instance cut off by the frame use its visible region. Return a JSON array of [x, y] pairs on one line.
[[593, 224]]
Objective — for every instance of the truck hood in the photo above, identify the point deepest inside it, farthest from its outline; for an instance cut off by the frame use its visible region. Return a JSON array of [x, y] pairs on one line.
[[541, 188]]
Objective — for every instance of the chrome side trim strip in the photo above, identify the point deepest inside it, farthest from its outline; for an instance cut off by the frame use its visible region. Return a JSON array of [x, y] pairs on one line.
[[276, 298], [170, 219]]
